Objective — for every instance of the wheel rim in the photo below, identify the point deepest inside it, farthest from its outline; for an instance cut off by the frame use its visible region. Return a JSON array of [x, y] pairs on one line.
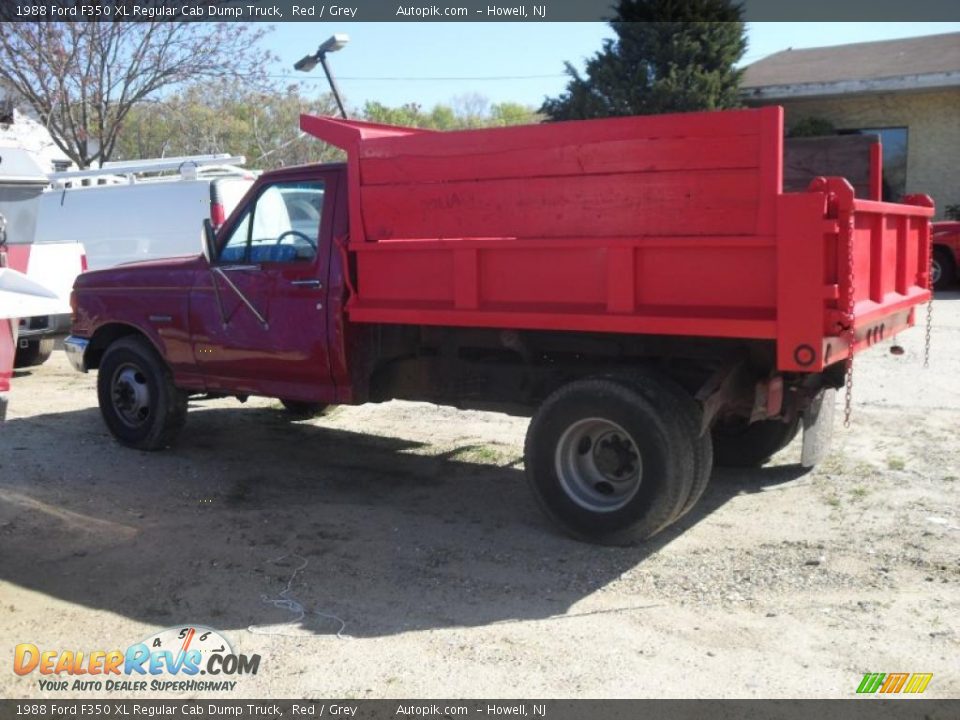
[[935, 272], [130, 395], [599, 465]]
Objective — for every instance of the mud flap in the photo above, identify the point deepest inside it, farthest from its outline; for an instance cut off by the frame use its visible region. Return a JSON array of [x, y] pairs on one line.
[[818, 428]]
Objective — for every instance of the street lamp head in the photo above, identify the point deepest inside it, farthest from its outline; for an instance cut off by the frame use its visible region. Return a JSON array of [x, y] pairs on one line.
[[306, 63], [309, 62], [333, 43]]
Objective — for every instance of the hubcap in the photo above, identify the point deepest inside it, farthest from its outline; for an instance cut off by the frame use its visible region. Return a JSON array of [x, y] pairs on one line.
[[935, 272], [598, 464], [130, 395]]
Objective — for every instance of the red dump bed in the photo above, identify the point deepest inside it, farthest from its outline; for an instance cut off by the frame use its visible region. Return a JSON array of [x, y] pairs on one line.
[[670, 224]]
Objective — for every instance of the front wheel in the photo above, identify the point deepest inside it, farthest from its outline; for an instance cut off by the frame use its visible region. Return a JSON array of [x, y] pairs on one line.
[[943, 272], [138, 400], [606, 464]]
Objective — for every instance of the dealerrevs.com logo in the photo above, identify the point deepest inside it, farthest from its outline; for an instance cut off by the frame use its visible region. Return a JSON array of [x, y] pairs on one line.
[[178, 659]]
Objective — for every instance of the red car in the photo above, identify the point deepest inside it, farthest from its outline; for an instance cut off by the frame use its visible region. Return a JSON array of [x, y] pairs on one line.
[[946, 254]]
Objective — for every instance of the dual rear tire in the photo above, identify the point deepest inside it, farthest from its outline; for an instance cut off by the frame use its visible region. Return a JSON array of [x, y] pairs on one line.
[[614, 460]]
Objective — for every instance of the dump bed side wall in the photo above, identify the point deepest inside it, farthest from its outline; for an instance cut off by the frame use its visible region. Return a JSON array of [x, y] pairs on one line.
[[654, 224], [694, 174]]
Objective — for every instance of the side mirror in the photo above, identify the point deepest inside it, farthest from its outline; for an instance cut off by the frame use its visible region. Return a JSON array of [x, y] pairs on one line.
[[209, 241]]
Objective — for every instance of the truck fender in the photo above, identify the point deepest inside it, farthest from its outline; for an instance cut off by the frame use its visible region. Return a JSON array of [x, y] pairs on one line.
[[105, 335]]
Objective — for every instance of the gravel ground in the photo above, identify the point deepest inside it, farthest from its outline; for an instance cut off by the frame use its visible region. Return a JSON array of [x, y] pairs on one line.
[[423, 567]]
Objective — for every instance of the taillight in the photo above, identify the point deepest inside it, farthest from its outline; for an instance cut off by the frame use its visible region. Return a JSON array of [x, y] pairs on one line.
[[83, 262], [217, 215]]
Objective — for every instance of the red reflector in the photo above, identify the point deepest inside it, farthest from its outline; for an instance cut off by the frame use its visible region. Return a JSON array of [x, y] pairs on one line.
[[83, 263], [217, 215]]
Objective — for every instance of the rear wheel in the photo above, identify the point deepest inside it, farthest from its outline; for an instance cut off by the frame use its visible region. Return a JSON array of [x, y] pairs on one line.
[[739, 444], [944, 270], [138, 400], [36, 353], [302, 410], [691, 415], [606, 463]]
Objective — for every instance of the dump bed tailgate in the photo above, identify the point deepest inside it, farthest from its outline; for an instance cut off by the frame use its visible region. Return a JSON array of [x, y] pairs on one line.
[[854, 281]]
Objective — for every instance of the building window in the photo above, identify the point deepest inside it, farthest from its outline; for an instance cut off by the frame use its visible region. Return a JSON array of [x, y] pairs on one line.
[[894, 142]]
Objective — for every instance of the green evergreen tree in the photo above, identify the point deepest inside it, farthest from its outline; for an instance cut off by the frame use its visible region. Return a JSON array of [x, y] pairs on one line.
[[668, 56]]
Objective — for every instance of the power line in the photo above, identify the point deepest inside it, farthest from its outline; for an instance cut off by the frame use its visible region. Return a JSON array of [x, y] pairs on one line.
[[429, 79]]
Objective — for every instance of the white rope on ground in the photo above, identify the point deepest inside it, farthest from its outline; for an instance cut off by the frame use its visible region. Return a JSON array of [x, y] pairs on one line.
[[286, 601]]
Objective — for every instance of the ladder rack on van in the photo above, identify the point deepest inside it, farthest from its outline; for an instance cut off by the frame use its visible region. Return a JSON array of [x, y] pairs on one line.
[[188, 166]]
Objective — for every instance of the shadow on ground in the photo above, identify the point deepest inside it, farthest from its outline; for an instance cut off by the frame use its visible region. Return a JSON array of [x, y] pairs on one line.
[[393, 535]]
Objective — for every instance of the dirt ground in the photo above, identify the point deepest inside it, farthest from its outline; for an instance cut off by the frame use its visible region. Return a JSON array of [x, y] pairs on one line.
[[412, 525]]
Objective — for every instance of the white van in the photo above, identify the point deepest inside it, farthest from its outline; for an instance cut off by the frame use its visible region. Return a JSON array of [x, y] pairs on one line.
[[53, 265], [135, 213]]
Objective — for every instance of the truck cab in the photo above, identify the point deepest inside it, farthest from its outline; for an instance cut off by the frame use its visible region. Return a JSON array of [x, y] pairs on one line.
[[249, 313]]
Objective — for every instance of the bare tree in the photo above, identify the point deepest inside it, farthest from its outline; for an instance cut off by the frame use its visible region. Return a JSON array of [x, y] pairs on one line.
[[228, 117], [83, 78]]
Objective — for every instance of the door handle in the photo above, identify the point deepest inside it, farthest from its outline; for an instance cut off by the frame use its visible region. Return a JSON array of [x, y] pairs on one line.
[[306, 283]]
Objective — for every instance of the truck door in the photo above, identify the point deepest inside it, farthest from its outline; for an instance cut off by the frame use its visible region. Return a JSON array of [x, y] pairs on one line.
[[258, 316]]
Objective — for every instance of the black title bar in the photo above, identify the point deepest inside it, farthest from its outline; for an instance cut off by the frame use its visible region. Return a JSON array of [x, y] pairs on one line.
[[449, 10], [200, 709]]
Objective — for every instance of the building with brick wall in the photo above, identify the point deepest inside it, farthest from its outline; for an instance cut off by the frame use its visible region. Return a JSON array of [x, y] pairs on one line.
[[907, 91]]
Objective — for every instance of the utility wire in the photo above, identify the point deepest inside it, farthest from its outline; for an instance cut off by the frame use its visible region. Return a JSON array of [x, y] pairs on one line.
[[430, 79]]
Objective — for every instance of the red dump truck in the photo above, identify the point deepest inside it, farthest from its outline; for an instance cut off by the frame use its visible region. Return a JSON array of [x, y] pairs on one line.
[[642, 287]]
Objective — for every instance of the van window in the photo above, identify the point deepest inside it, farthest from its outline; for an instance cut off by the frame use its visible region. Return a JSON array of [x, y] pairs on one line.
[[19, 205], [230, 191], [285, 226]]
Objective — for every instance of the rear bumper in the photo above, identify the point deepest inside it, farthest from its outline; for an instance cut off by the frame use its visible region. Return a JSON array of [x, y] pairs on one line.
[[44, 326], [76, 349]]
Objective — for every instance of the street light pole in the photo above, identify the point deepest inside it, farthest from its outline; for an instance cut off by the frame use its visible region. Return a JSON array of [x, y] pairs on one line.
[[309, 62], [333, 84]]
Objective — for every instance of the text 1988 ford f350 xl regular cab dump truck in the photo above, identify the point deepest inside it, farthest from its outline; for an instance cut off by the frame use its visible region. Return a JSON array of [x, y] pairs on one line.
[[641, 286]]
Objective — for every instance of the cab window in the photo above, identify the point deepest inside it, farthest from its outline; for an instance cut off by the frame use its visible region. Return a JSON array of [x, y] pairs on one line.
[[282, 226]]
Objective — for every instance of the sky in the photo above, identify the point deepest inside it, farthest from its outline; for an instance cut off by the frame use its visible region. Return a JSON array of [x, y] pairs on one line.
[[429, 63]]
